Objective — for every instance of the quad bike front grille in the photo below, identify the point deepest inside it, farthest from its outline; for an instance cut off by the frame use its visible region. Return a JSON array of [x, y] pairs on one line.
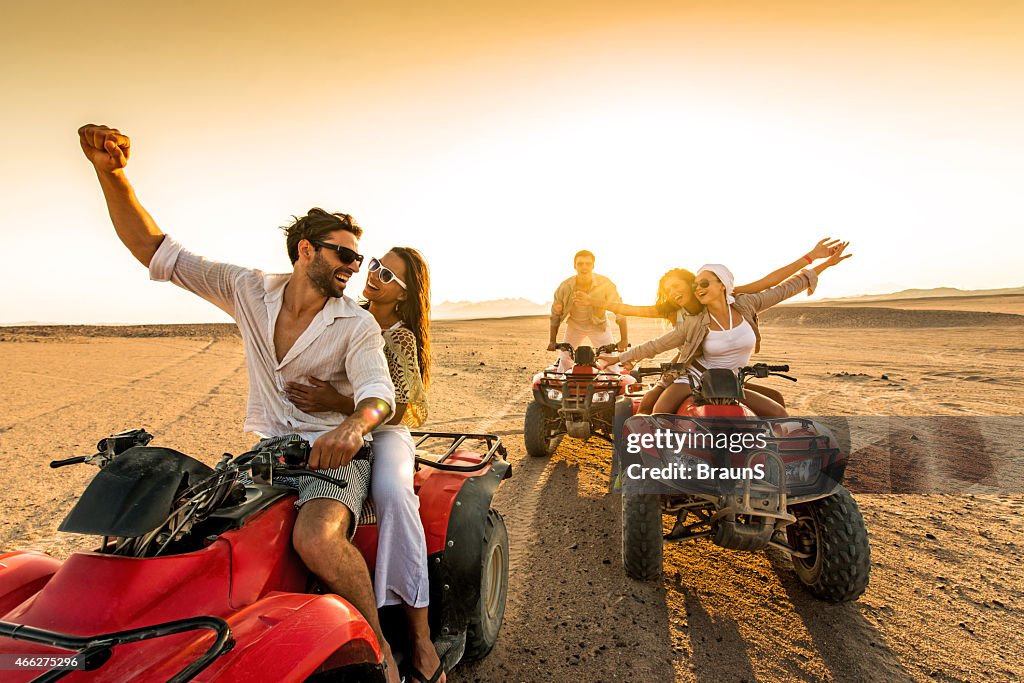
[[577, 391]]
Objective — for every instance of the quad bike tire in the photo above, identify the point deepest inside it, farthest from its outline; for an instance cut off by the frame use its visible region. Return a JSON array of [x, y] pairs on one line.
[[839, 570], [623, 411], [539, 441], [642, 539], [486, 617]]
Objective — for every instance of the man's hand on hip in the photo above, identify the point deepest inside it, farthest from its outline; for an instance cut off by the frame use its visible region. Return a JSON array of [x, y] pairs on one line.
[[336, 448]]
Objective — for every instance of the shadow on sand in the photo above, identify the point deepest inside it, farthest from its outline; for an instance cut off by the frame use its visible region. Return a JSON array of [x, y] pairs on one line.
[[571, 613]]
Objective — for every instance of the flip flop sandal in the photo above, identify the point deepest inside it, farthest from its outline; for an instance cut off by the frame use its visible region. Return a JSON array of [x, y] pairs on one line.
[[420, 678]]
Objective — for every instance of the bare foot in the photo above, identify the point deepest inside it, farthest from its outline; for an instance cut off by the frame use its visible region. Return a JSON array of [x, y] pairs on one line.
[[425, 660]]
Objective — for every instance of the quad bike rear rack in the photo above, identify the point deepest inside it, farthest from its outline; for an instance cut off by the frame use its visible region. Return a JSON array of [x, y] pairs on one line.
[[94, 651], [495, 449]]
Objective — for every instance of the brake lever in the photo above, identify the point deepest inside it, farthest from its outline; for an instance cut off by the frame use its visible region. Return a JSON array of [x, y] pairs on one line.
[[779, 374], [103, 459], [54, 464]]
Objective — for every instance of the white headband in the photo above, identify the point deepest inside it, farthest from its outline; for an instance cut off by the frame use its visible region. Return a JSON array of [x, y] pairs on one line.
[[723, 274]]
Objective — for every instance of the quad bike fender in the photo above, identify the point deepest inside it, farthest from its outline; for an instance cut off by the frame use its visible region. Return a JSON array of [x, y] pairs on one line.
[[23, 573], [98, 593], [262, 555], [283, 637], [454, 508], [444, 496], [818, 495], [289, 637]]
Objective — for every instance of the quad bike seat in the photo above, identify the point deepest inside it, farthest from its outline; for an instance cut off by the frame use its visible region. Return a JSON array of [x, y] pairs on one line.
[[585, 356]]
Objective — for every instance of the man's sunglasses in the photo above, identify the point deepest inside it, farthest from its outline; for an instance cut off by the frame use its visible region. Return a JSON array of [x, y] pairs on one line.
[[385, 274], [346, 255]]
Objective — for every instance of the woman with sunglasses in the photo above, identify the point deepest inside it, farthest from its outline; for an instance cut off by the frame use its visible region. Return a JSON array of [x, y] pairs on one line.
[[675, 301], [397, 294], [725, 333]]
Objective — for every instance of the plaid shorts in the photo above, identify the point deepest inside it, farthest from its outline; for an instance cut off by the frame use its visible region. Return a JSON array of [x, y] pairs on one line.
[[353, 496]]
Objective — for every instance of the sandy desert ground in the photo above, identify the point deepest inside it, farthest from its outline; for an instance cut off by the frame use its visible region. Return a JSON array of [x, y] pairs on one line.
[[946, 598]]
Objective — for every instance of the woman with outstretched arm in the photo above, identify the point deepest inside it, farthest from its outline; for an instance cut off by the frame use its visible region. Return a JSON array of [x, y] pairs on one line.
[[675, 289], [676, 300], [725, 333]]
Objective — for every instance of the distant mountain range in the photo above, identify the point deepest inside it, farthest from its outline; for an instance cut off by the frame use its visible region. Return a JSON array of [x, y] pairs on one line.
[[512, 308], [936, 293], [509, 308], [498, 308]]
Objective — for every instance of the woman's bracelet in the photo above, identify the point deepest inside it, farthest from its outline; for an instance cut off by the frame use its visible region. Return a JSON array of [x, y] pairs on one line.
[[809, 259]]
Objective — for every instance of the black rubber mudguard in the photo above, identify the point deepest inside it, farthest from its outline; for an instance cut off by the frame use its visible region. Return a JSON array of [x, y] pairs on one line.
[[455, 571], [133, 494]]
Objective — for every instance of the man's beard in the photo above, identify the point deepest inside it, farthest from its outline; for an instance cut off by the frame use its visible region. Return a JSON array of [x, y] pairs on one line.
[[321, 276]]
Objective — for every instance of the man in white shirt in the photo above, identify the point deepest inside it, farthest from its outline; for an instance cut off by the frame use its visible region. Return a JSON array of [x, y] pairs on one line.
[[293, 326], [584, 321]]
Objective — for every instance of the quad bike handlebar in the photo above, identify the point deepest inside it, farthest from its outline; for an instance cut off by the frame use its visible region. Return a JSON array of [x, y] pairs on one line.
[[607, 348], [759, 370], [283, 457], [108, 448], [286, 457], [54, 464]]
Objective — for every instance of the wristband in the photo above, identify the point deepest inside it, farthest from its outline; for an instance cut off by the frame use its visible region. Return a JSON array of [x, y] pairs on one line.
[[809, 259]]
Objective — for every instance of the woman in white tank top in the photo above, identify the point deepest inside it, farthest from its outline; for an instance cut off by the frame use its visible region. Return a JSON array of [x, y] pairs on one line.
[[675, 301], [729, 343]]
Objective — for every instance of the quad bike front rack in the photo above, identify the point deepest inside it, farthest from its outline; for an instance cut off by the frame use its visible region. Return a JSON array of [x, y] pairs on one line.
[[94, 651], [578, 391], [752, 515]]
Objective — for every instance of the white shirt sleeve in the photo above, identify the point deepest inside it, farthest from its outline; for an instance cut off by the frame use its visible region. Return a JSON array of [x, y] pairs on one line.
[[213, 281], [365, 364]]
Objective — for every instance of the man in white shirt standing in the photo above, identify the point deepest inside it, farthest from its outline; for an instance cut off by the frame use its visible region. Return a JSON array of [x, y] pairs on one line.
[[293, 326]]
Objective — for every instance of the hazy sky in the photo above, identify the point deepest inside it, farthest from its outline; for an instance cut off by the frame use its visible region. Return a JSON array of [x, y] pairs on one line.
[[499, 138]]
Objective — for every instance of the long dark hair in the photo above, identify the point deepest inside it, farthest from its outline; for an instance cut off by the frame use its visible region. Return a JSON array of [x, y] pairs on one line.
[[663, 301], [415, 309]]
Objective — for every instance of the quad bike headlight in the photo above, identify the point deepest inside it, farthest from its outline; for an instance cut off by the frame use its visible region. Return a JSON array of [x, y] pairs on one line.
[[554, 395], [803, 471], [689, 464], [603, 396]]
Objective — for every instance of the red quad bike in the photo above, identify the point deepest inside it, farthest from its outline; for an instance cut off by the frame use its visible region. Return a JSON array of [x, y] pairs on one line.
[[580, 403], [782, 489], [196, 577]]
